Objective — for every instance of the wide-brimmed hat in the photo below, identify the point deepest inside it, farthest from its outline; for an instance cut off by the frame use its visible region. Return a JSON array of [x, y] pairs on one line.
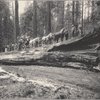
[[72, 25], [80, 26]]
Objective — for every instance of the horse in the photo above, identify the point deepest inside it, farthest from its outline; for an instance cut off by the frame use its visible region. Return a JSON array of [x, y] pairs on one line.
[[59, 35], [34, 42]]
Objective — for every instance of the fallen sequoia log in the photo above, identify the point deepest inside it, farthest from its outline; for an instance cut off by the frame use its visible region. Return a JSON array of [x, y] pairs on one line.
[[79, 43], [58, 59], [62, 59]]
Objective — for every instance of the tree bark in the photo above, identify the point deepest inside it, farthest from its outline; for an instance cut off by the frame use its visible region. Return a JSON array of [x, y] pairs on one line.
[[61, 15], [1, 39], [88, 11], [34, 18], [73, 12], [54, 59], [77, 14], [82, 17], [17, 29], [13, 16], [48, 17]]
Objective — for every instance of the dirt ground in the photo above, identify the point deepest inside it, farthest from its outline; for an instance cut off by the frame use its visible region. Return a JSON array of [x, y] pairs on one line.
[[50, 82], [27, 82]]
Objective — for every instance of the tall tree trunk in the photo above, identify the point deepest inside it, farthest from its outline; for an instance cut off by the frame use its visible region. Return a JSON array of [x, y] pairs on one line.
[[5, 30], [77, 14], [82, 17], [93, 7], [69, 21], [88, 10], [62, 15], [14, 36], [34, 18], [73, 12], [48, 17], [1, 38], [17, 29], [92, 12], [98, 10]]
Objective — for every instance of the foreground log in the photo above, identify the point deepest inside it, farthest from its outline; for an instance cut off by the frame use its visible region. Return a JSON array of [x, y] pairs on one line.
[[63, 57], [55, 59]]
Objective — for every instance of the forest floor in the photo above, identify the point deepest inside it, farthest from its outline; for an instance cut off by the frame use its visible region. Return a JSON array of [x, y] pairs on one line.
[[39, 74], [49, 82]]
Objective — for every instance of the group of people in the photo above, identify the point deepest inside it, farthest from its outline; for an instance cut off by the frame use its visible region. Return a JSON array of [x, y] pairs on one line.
[[21, 44], [76, 31], [24, 41], [10, 47]]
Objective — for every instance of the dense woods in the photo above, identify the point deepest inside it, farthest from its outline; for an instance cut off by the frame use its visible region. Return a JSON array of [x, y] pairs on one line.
[[49, 49], [53, 16], [44, 17], [6, 25]]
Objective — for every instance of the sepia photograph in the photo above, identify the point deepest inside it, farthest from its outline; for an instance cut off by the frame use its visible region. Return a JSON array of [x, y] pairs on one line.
[[49, 49]]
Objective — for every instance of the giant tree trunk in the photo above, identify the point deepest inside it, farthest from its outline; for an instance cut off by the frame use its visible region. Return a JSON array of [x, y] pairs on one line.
[[61, 15], [34, 18], [17, 32], [5, 30], [92, 10], [1, 40], [69, 21], [77, 14], [98, 10], [48, 17], [59, 59], [82, 17], [88, 10], [73, 11], [13, 16]]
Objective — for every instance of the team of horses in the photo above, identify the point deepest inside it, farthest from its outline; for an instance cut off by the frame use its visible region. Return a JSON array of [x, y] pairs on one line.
[[25, 41], [49, 39]]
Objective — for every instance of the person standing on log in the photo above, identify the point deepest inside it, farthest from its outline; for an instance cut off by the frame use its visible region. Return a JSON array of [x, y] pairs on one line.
[[73, 31], [6, 49], [27, 41], [66, 35], [20, 44], [79, 30]]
